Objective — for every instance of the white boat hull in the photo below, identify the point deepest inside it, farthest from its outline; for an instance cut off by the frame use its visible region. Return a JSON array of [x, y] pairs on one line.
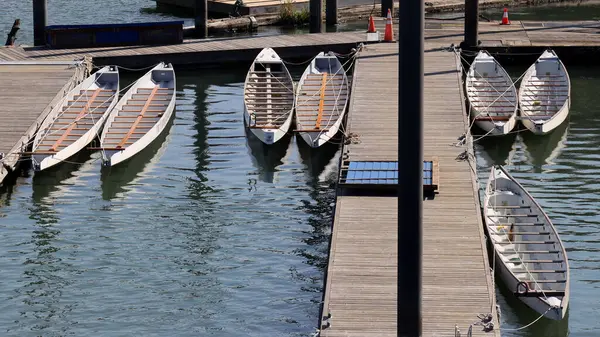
[[165, 77], [268, 136], [492, 96], [268, 97], [106, 78], [497, 129], [545, 94], [542, 128], [321, 100], [530, 257]]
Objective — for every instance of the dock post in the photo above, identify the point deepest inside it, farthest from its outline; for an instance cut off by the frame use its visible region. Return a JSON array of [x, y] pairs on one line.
[[201, 18], [385, 4], [40, 17], [410, 166], [316, 8], [12, 35], [331, 12], [471, 23]]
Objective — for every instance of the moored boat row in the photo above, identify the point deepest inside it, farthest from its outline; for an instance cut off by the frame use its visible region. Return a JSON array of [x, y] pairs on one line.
[[316, 106], [93, 110], [542, 102]]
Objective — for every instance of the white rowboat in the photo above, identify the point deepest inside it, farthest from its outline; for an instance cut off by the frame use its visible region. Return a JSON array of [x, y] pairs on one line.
[[268, 97], [321, 99], [492, 95], [530, 257], [140, 116], [77, 120], [545, 94]]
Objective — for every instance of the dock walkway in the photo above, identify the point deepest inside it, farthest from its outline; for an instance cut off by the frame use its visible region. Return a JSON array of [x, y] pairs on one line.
[[304, 46], [27, 92], [361, 287]]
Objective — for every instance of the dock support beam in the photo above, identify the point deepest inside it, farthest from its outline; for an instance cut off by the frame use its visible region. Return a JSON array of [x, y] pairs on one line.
[[410, 159], [201, 18], [331, 12], [316, 8], [471, 23], [385, 4], [40, 17]]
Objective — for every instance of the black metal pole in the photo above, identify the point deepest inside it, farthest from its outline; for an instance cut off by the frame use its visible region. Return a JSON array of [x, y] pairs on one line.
[[316, 8], [201, 18], [40, 17], [331, 12], [410, 160], [471, 23], [385, 4]]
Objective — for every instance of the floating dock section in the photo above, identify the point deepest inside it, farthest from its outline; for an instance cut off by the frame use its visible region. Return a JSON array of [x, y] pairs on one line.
[[28, 91], [361, 282]]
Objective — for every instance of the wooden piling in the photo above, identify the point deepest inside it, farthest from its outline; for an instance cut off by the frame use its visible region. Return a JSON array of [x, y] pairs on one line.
[[201, 18], [316, 15], [12, 35], [40, 18], [331, 12]]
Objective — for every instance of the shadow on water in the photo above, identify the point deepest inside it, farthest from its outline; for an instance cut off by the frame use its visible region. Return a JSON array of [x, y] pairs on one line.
[[317, 159], [45, 182], [265, 157], [544, 150], [496, 149], [115, 180], [520, 315]]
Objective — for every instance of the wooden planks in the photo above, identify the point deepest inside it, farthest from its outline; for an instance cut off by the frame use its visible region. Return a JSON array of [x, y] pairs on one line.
[[214, 51], [27, 93], [361, 287]]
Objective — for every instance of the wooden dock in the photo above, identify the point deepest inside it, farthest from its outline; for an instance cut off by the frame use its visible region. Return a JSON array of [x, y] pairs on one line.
[[361, 286], [580, 36], [28, 90], [249, 7]]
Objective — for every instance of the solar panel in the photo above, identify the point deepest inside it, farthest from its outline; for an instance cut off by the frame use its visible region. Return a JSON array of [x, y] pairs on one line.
[[371, 173]]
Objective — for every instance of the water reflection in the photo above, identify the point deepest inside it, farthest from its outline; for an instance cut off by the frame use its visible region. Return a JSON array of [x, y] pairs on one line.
[[45, 273], [316, 160], [121, 178], [545, 150], [265, 157], [46, 182]]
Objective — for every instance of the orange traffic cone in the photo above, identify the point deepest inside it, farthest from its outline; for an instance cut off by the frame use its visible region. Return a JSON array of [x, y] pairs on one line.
[[505, 20], [389, 31], [371, 28]]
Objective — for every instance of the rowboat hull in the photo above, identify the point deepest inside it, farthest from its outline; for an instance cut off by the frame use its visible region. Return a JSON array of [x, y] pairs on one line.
[[545, 127], [321, 100], [265, 135], [545, 94], [492, 96], [530, 258], [268, 97], [161, 77], [106, 78]]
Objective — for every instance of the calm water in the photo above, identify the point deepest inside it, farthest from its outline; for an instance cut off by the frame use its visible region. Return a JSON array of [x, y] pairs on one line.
[[205, 234], [208, 234], [561, 171]]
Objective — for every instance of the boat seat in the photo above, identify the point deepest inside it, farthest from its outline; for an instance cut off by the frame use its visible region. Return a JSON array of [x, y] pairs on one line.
[[535, 252], [512, 215], [544, 242], [531, 233], [492, 118], [509, 206]]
